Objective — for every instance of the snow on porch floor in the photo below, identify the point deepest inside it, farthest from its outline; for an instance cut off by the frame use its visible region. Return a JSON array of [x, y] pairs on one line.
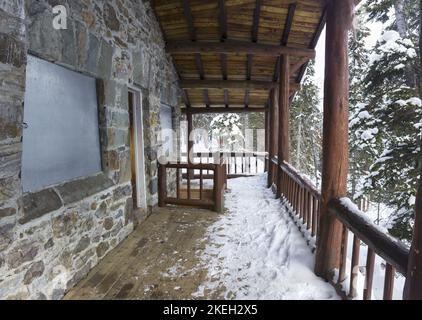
[[257, 252], [253, 251]]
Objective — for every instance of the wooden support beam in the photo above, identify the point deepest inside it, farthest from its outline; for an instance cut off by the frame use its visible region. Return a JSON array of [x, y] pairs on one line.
[[189, 117], [313, 43], [247, 98], [267, 137], [283, 120], [335, 135], [222, 19], [272, 147], [233, 84], [285, 39], [198, 60], [227, 84], [237, 47], [413, 287], [223, 110], [299, 64]]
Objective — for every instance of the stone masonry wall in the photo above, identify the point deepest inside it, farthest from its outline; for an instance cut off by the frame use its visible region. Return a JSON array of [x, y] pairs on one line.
[[51, 239]]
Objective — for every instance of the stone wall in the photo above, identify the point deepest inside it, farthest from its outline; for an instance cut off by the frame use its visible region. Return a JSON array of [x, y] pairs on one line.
[[51, 239]]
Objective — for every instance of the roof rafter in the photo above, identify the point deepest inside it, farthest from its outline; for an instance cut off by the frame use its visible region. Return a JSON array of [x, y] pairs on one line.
[[230, 84], [225, 110], [255, 29], [237, 47], [222, 24], [192, 31]]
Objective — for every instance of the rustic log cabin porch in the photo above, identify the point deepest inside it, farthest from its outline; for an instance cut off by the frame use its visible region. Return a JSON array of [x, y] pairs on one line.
[[229, 61], [229, 56]]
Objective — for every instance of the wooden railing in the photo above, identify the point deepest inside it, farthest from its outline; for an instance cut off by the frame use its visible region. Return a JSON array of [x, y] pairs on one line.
[[302, 197], [376, 242], [193, 185], [378, 248], [238, 164]]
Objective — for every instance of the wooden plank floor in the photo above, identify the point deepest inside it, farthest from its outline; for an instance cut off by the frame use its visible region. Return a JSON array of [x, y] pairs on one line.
[[159, 260]]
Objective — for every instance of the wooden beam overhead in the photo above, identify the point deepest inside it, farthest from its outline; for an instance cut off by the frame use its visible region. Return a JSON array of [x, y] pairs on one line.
[[231, 84], [299, 64], [198, 60], [222, 19], [254, 38], [314, 42], [223, 110], [286, 34], [237, 47], [189, 19]]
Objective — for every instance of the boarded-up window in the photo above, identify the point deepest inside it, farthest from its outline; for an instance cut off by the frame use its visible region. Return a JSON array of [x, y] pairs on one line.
[[61, 139]]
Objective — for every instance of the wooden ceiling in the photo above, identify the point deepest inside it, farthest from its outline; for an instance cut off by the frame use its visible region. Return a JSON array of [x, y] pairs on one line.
[[226, 52]]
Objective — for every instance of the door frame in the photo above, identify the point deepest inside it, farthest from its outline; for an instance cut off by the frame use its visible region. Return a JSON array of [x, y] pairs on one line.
[[138, 123]]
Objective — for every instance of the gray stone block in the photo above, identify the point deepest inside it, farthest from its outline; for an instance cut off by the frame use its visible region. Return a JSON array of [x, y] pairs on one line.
[[75, 191], [35, 205]]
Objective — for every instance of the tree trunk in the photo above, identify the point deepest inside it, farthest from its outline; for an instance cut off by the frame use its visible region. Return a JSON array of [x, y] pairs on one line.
[[403, 31]]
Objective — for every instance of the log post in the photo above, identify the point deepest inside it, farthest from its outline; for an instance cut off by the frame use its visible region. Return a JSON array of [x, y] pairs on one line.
[[283, 120], [190, 153], [413, 287], [272, 148], [267, 139], [335, 134], [190, 142], [162, 185]]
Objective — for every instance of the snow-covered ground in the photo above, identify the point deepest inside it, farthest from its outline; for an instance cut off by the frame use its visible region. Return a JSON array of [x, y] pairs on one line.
[[257, 252]]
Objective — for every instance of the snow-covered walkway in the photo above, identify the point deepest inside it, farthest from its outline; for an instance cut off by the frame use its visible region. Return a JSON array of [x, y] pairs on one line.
[[256, 251]]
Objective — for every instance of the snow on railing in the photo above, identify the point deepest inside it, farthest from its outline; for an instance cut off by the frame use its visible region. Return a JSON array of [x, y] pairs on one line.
[[382, 275]]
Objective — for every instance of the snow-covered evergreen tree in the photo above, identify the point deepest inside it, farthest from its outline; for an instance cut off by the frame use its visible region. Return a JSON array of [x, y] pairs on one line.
[[387, 119], [306, 127], [226, 128]]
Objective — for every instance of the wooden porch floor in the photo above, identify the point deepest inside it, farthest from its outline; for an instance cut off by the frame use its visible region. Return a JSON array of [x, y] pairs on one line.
[[159, 260]]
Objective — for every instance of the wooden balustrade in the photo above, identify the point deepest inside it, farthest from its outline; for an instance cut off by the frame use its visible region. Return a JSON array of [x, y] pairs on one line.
[[360, 237], [302, 196], [194, 185], [238, 164], [376, 241]]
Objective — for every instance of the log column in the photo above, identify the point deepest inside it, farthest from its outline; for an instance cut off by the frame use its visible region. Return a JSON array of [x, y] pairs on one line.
[[190, 142], [272, 148], [267, 138], [284, 130], [336, 130], [413, 287]]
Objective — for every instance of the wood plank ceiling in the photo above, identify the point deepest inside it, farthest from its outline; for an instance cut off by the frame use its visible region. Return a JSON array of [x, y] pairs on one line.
[[226, 52]]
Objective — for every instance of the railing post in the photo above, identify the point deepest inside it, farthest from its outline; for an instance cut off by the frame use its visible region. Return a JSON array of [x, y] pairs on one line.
[[413, 287], [284, 129], [162, 185], [336, 130], [218, 188]]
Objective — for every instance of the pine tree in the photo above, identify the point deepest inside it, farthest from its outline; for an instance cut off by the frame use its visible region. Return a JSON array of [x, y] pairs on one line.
[[306, 127], [389, 120]]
